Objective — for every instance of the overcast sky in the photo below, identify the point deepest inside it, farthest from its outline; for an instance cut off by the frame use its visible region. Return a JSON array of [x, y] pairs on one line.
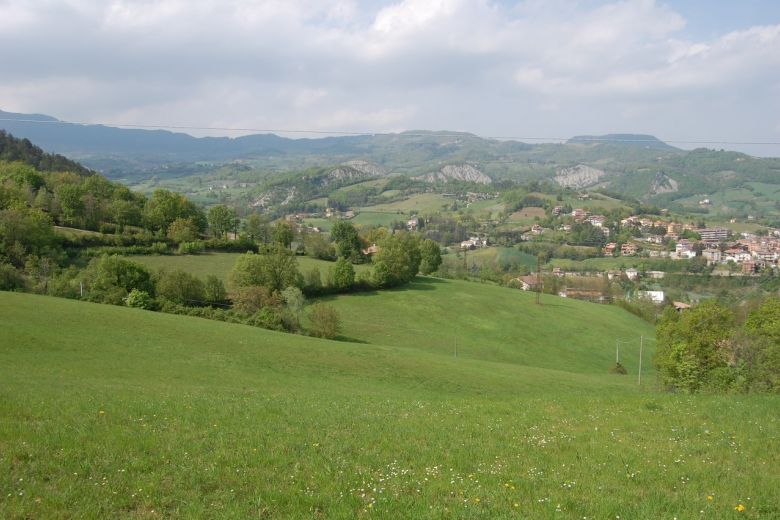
[[681, 70]]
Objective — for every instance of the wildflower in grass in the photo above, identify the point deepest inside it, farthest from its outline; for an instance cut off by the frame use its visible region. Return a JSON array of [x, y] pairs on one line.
[[739, 508], [710, 498], [101, 412]]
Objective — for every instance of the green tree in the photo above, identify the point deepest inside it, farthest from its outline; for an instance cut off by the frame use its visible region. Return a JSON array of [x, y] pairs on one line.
[[347, 240], [166, 206], [70, 204], [180, 287], [691, 345], [124, 213], [222, 219], [283, 233], [183, 230], [398, 260], [275, 269], [214, 290], [430, 254], [24, 232], [343, 274], [109, 279], [257, 228]]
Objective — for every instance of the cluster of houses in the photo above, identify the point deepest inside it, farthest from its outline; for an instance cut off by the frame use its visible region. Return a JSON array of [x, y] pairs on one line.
[[718, 246], [474, 243]]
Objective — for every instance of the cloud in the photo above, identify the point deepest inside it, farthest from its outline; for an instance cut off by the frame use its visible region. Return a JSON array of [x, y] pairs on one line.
[[527, 67]]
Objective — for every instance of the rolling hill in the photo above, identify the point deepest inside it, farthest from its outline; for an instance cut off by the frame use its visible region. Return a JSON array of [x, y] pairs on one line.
[[117, 412], [634, 165]]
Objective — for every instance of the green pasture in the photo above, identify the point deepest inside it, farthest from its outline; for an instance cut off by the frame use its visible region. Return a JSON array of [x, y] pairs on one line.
[[492, 323], [122, 413], [419, 204], [492, 257]]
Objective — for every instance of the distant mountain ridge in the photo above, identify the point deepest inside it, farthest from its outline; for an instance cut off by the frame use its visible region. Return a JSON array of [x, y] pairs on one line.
[[644, 140], [635, 165]]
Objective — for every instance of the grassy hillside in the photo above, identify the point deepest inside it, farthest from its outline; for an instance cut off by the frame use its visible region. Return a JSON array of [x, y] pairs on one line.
[[126, 413], [497, 324]]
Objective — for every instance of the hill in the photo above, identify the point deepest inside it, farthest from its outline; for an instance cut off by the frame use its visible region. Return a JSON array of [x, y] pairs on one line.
[[643, 140], [633, 165], [496, 324], [13, 149], [126, 413]]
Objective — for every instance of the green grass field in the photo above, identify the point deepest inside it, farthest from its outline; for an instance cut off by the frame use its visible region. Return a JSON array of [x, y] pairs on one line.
[[492, 323], [220, 264], [419, 204], [494, 257], [122, 413]]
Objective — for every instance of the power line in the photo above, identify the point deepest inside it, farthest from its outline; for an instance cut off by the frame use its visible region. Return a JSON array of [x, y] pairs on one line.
[[403, 134]]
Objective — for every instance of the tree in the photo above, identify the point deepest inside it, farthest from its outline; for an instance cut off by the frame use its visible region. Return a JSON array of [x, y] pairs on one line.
[[68, 199], [430, 254], [283, 233], [691, 345], [275, 269], [347, 240], [343, 274], [180, 287], [318, 247], [398, 260], [222, 219], [325, 321], [166, 206], [110, 278], [183, 230], [214, 290], [257, 228]]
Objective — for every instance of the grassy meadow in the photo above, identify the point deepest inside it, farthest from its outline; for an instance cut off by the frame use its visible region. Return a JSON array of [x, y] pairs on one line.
[[118, 412]]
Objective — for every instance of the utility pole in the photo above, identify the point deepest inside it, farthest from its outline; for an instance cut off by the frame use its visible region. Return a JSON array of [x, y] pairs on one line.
[[641, 344], [538, 280]]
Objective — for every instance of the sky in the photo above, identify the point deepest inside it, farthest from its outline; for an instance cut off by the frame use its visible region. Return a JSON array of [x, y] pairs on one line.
[[686, 71]]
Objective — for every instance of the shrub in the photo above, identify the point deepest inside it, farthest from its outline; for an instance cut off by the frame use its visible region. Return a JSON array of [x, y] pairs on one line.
[[10, 278], [325, 321], [191, 248], [139, 300]]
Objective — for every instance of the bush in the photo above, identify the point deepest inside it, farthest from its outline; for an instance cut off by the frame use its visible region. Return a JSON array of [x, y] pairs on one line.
[[191, 248], [139, 300], [325, 321], [267, 318], [10, 278]]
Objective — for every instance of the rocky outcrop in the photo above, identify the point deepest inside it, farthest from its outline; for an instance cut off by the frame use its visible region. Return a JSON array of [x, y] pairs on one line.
[[578, 177], [354, 171], [457, 172], [663, 184]]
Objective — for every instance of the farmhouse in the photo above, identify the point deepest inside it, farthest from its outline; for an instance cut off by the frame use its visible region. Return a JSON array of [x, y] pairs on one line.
[[473, 243]]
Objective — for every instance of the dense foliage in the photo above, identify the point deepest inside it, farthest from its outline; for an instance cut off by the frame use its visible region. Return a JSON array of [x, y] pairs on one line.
[[705, 349]]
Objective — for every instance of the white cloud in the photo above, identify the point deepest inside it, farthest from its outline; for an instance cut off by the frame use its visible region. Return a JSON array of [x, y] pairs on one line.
[[536, 66]]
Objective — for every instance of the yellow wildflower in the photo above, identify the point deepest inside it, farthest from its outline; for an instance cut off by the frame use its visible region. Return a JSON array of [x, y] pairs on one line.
[[739, 508]]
